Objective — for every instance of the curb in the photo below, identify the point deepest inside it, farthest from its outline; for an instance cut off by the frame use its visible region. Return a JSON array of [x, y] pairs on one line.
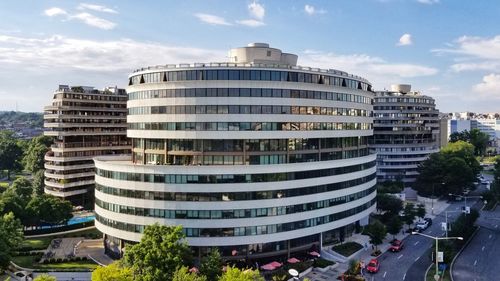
[[427, 271], [461, 250]]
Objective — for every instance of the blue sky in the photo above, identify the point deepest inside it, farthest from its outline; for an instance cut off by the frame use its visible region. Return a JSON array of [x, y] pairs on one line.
[[448, 49]]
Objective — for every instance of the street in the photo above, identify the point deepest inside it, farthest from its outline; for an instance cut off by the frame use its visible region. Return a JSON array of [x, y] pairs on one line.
[[479, 260], [412, 262]]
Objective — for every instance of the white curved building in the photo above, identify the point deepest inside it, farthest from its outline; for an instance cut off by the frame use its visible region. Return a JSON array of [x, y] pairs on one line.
[[258, 157], [406, 131]]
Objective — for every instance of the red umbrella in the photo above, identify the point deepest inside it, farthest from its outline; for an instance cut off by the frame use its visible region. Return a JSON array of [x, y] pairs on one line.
[[293, 260], [314, 253], [276, 264], [194, 270], [268, 267]]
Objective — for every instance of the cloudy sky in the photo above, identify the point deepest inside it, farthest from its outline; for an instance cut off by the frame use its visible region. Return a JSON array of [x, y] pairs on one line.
[[449, 49]]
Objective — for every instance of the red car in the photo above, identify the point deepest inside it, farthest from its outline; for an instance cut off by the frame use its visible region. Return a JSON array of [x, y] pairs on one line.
[[373, 266], [396, 246]]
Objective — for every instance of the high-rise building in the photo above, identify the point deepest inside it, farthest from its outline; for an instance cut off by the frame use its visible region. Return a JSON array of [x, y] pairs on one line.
[[85, 123], [405, 132], [258, 156]]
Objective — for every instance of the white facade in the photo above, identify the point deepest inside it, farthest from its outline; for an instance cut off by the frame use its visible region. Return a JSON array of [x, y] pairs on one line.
[[256, 159]]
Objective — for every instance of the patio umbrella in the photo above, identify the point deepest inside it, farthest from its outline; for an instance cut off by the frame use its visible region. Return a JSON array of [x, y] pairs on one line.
[[268, 267], [314, 253], [293, 260], [276, 264], [194, 270]]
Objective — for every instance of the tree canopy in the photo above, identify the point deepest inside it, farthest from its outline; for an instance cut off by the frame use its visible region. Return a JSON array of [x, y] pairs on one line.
[[211, 265], [10, 152], [183, 274], [389, 203], [475, 137], [113, 272], [377, 232], [34, 155], [11, 236], [161, 251], [236, 274], [48, 209]]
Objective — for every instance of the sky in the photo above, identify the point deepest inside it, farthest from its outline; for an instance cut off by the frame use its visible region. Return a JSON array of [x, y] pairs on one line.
[[447, 49]]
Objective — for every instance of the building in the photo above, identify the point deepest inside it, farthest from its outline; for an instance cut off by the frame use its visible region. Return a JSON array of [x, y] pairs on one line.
[[258, 157], [489, 126], [85, 123], [443, 130], [405, 132]]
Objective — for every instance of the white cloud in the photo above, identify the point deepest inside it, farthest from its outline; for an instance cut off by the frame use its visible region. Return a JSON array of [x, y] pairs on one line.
[[256, 10], [489, 87], [405, 40], [428, 2], [84, 17], [211, 19], [474, 53], [94, 21], [55, 11], [375, 69], [311, 10], [97, 8], [251, 23], [60, 52]]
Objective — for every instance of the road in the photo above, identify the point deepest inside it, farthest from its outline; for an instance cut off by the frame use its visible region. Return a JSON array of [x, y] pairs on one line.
[[411, 263], [479, 261]]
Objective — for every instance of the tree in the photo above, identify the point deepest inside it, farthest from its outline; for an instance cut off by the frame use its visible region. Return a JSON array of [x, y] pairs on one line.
[[236, 274], [113, 272], [377, 233], [390, 187], [465, 151], [10, 153], [38, 182], [23, 188], [34, 155], [460, 136], [409, 214], [11, 236], [45, 277], [211, 265], [183, 274], [48, 209], [162, 249], [480, 141], [389, 203], [420, 212], [394, 226]]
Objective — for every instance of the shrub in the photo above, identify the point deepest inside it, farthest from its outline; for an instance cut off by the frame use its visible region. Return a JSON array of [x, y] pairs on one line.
[[322, 263]]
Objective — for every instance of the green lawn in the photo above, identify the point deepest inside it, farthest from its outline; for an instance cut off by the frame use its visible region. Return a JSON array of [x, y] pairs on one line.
[[347, 248], [432, 271], [37, 243], [30, 262]]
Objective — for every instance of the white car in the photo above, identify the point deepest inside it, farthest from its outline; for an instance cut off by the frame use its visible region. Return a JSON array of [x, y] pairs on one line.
[[422, 225]]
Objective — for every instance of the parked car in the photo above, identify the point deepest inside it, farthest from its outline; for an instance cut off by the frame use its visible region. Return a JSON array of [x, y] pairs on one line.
[[428, 220], [422, 225], [396, 245], [373, 266]]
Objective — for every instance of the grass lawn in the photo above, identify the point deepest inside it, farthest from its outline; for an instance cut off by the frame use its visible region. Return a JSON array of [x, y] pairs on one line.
[[37, 243], [347, 248], [432, 271], [30, 262]]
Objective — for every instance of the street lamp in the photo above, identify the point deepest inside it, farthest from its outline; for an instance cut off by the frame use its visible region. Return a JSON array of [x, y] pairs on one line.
[[465, 197], [432, 198], [436, 238], [446, 215]]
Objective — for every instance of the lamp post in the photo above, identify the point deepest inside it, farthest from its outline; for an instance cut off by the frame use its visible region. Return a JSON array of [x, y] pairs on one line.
[[446, 215], [465, 199], [432, 198], [436, 276]]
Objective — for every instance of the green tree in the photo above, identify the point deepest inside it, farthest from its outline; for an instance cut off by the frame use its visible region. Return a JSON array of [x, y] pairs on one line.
[[236, 274], [183, 274], [460, 136], [211, 265], [480, 141], [162, 249], [409, 214], [45, 277], [34, 155], [420, 212], [38, 182], [389, 203], [113, 272], [11, 236], [23, 188], [48, 209], [394, 225], [465, 151], [390, 187], [10, 153], [377, 233]]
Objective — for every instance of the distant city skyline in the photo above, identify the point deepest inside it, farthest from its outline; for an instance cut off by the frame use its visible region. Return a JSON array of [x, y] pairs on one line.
[[446, 49]]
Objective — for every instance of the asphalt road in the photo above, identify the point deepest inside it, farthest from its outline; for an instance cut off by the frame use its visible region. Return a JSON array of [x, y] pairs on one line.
[[479, 261], [411, 263]]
